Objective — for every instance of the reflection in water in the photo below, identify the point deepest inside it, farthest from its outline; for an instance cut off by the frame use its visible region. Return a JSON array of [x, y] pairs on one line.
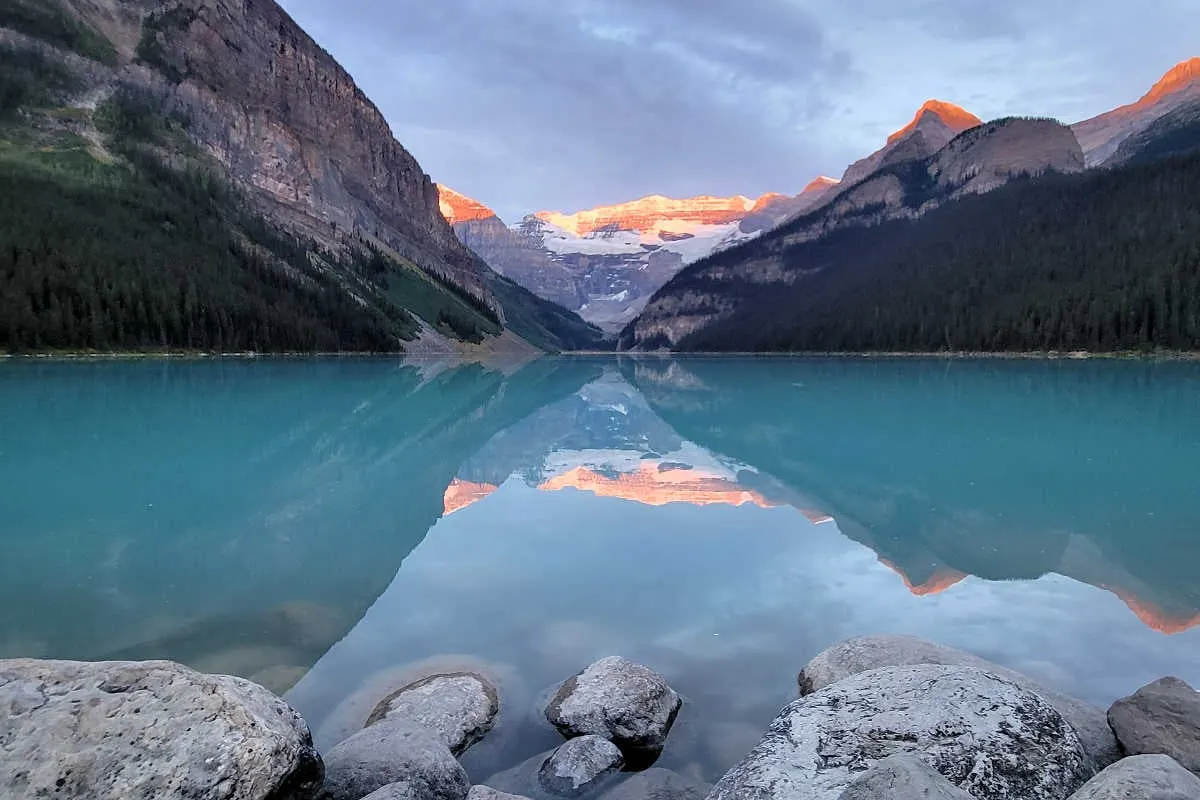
[[1005, 470], [323, 526]]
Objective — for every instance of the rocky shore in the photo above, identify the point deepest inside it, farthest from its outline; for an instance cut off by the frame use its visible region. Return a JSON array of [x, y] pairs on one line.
[[876, 718]]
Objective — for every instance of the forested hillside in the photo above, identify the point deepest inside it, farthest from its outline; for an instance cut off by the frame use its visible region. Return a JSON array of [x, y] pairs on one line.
[[1101, 261]]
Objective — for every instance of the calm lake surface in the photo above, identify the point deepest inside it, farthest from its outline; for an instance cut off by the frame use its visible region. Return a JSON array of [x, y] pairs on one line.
[[330, 527]]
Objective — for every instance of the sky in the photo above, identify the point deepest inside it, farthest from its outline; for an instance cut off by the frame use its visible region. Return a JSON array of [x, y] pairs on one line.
[[528, 105]]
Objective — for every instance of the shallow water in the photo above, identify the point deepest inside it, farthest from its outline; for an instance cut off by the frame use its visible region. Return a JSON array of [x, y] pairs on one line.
[[331, 527]]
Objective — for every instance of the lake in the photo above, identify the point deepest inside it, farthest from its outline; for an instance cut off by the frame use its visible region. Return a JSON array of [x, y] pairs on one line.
[[329, 527]]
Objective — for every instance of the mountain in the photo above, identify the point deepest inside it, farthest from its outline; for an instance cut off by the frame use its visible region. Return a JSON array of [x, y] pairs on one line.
[[1103, 260], [932, 127], [196, 135], [1102, 136], [905, 186], [606, 262]]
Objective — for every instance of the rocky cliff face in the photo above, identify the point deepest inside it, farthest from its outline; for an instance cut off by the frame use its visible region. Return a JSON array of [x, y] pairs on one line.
[[1102, 136], [513, 253], [288, 122]]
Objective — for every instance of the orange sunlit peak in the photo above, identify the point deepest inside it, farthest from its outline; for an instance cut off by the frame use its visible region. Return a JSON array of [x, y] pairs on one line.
[[457, 207], [647, 212], [650, 485], [460, 494], [820, 184], [1178, 77], [942, 579], [954, 117], [1154, 617]]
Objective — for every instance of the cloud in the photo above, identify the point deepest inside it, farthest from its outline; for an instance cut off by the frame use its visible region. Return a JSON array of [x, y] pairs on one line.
[[568, 104]]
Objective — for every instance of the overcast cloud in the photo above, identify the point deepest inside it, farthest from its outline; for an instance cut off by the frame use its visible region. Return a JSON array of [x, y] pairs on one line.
[[568, 104]]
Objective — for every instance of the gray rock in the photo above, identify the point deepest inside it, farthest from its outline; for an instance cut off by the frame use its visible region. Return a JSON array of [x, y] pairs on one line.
[[874, 652], [488, 793], [579, 766], [902, 777], [629, 704], [460, 708], [393, 752], [1152, 777], [147, 730], [987, 736], [395, 791], [1163, 717], [657, 784]]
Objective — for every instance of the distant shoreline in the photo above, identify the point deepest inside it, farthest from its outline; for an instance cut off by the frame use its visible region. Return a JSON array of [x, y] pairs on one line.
[[1048, 355]]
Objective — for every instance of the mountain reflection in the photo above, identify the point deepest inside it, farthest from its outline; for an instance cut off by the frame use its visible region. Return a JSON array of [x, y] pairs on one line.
[[1002, 470]]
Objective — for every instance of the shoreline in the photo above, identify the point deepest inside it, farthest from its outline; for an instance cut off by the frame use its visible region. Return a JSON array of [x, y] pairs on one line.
[[1036, 355]]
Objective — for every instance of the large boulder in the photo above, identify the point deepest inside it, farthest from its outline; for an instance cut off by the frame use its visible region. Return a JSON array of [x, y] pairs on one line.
[[1163, 717], [460, 708], [1153, 777], [629, 704], [579, 766], [657, 784], [151, 729], [393, 753], [875, 652], [902, 777], [988, 736]]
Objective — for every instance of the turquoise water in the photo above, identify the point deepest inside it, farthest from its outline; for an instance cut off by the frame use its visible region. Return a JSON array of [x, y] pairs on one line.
[[330, 527]]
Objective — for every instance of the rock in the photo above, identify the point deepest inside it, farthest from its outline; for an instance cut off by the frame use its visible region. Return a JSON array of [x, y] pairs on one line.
[[393, 752], [629, 704], [488, 793], [988, 736], [873, 652], [147, 729], [395, 791], [460, 708], [1151, 777], [1163, 717], [579, 766], [657, 784], [902, 777]]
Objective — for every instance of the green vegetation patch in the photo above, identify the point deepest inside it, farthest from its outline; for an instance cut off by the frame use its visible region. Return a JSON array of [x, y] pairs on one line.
[[29, 79], [139, 255], [52, 22]]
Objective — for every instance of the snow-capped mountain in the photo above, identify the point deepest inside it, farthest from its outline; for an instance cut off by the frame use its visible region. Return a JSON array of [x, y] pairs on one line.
[[606, 262]]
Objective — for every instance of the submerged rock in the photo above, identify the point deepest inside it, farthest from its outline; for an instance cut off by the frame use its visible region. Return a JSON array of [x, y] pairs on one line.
[[395, 791], [460, 708], [488, 793], [1152, 777], [988, 736], [629, 704], [151, 729], [1163, 717], [579, 766], [393, 753], [657, 784], [874, 652], [902, 777]]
